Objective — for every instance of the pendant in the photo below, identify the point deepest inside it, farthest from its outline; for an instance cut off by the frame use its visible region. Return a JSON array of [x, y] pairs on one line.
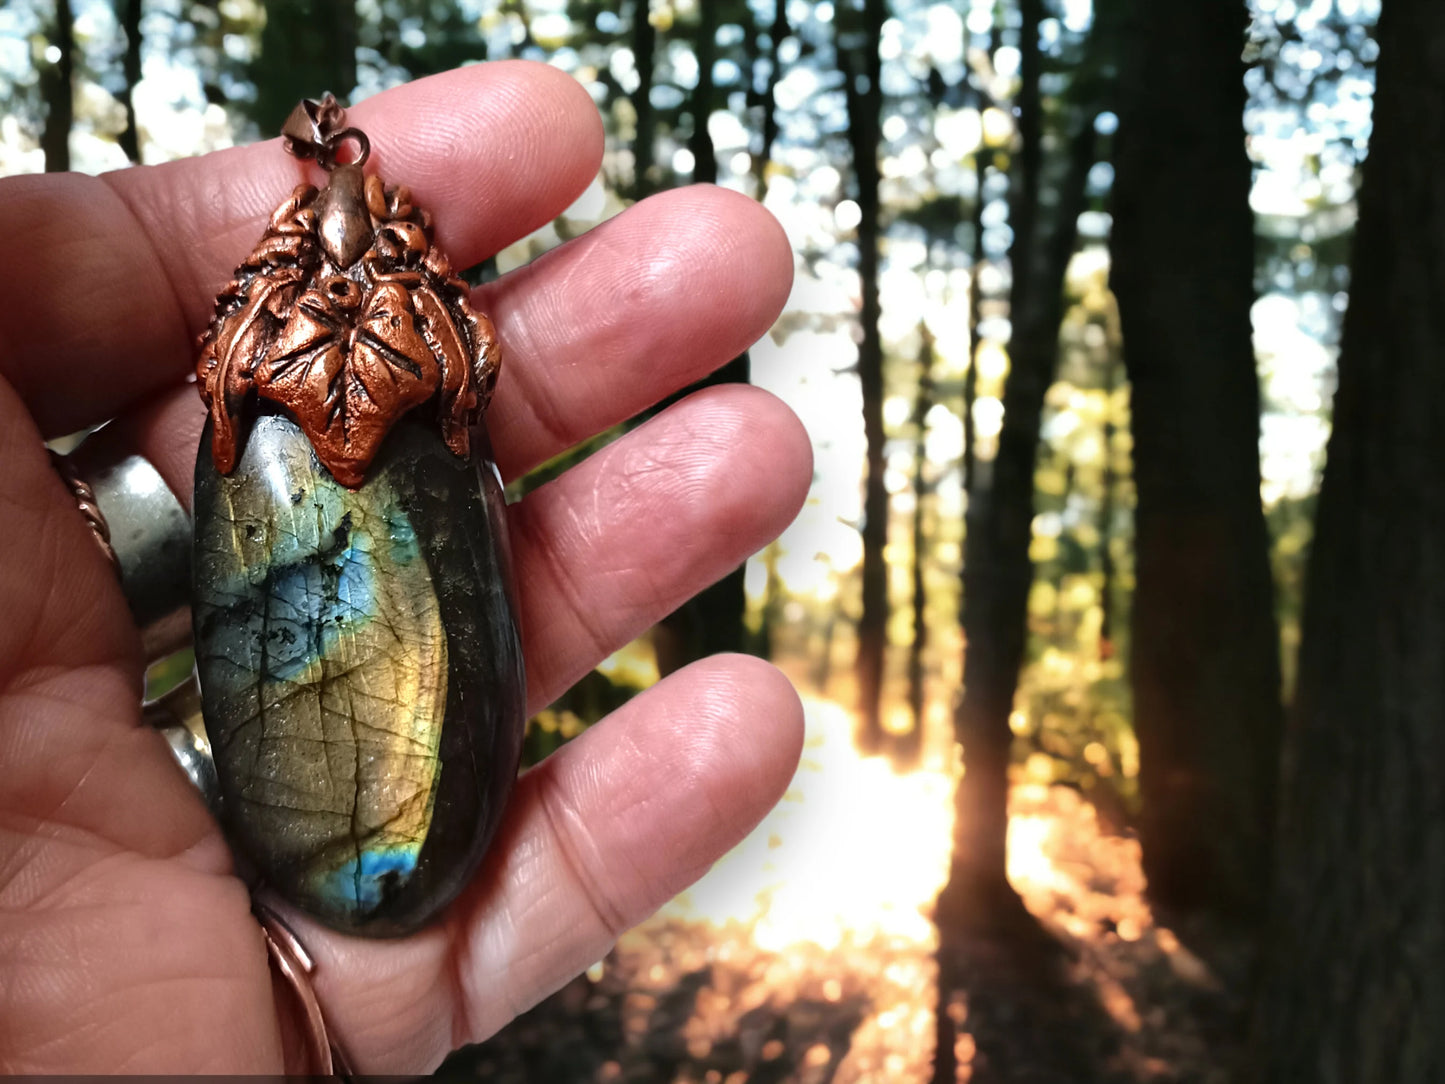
[[356, 645]]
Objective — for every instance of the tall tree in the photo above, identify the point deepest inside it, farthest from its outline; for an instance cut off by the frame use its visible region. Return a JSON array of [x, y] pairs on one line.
[[1355, 987], [997, 570], [861, 65], [717, 615], [979, 100], [975, 302], [1107, 571], [128, 13], [1205, 645], [700, 105], [644, 54], [768, 130], [307, 47], [910, 745], [57, 87]]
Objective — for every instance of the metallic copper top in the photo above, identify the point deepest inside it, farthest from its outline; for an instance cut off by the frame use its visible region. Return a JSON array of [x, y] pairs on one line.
[[345, 315]]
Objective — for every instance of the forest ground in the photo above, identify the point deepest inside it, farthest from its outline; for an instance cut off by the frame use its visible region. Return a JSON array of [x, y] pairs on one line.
[[807, 956]]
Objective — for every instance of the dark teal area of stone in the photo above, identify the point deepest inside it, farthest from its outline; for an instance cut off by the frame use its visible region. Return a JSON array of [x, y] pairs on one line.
[[360, 670]]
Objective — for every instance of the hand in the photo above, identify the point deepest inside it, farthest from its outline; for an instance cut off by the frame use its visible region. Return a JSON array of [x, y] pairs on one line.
[[126, 940]]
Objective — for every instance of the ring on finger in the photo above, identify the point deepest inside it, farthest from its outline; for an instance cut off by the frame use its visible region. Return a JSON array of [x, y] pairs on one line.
[[144, 530]]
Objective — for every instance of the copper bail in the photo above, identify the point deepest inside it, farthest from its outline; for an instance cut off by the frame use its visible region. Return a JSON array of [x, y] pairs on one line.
[[316, 129]]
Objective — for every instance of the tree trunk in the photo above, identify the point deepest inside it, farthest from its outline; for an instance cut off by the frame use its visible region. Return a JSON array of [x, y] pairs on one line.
[[129, 16], [979, 100], [704, 154], [1205, 646], [975, 300], [307, 47], [644, 50], [1107, 571], [57, 85], [1355, 987], [910, 745], [716, 615], [862, 65], [779, 30], [997, 571]]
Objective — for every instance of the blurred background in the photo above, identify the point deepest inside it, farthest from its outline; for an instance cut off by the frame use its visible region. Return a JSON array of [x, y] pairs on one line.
[[1071, 282]]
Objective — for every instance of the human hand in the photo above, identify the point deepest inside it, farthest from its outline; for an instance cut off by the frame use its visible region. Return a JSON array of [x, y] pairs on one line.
[[127, 942]]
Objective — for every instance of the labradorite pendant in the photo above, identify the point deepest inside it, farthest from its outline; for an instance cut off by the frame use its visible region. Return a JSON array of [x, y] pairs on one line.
[[360, 669]]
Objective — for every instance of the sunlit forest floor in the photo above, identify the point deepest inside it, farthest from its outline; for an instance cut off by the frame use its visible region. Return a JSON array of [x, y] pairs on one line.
[[807, 955]]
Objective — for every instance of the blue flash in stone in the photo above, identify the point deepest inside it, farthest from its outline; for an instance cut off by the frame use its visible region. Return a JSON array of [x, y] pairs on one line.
[[360, 670]]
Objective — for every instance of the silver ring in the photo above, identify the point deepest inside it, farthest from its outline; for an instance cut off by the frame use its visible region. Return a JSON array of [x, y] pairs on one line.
[[150, 535], [177, 716]]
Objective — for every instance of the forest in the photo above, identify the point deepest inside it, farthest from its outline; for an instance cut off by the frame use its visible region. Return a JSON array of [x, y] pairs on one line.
[[1118, 602]]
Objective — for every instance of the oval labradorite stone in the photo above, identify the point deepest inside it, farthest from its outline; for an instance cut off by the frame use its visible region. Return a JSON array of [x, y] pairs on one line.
[[360, 670]]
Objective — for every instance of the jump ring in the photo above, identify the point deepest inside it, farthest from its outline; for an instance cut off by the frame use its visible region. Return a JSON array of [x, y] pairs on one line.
[[327, 155]]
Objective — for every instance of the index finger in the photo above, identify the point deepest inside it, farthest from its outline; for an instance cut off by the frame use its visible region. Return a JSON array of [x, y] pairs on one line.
[[121, 271]]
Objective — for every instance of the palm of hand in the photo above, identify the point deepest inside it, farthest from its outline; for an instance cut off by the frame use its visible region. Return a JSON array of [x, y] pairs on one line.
[[126, 941]]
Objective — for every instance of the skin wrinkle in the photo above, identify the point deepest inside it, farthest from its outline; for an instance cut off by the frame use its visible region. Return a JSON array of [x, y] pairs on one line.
[[471, 943], [709, 498], [50, 815], [559, 817], [179, 316], [544, 546], [46, 293], [632, 805], [94, 836]]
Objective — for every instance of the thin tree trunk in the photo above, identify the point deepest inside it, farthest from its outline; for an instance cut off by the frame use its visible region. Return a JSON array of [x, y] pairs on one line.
[[704, 154], [1107, 570], [979, 100], [644, 50], [1205, 646], [910, 745], [779, 30], [823, 672], [57, 84], [945, 1057], [1355, 980], [129, 16], [997, 569], [862, 64], [774, 595], [975, 300], [718, 613]]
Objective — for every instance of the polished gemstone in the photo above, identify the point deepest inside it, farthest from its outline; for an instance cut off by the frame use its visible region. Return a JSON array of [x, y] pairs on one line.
[[360, 670]]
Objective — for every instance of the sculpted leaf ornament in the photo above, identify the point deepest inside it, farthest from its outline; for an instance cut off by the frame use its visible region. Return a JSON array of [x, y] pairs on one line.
[[347, 317]]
